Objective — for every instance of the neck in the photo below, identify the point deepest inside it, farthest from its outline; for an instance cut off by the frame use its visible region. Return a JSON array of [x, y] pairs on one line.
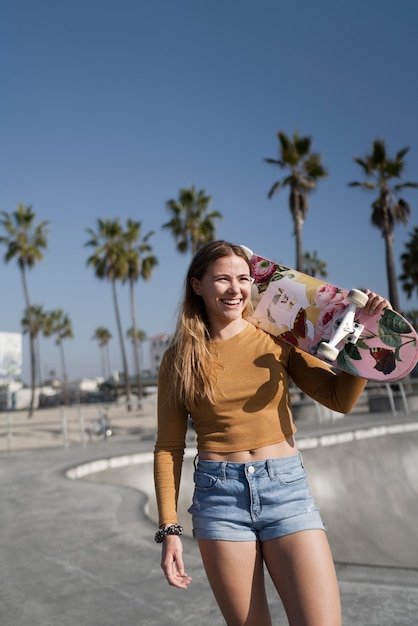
[[228, 331]]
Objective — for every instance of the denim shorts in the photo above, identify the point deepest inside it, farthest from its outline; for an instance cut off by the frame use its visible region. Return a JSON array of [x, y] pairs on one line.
[[258, 500]]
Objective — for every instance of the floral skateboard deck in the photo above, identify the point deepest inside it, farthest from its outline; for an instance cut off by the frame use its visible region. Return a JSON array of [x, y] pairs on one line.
[[308, 313]]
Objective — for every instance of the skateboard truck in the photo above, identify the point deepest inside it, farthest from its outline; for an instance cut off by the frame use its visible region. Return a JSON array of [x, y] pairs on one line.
[[345, 328]]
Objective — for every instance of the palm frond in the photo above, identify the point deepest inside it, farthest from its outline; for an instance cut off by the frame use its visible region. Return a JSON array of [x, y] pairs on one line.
[[275, 187], [278, 162], [402, 153], [379, 152], [401, 186]]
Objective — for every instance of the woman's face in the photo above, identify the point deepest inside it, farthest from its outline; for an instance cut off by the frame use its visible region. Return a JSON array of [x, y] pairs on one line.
[[225, 289]]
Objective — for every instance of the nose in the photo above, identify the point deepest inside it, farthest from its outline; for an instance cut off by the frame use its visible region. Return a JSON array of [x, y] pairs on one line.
[[234, 286]]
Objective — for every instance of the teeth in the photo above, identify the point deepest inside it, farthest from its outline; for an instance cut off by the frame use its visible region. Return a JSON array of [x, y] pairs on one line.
[[232, 301]]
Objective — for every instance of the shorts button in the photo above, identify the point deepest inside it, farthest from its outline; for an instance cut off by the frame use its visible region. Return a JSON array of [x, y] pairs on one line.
[[251, 469]]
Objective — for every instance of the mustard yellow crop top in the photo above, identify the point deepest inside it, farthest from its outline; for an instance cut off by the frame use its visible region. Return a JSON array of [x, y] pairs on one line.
[[252, 406]]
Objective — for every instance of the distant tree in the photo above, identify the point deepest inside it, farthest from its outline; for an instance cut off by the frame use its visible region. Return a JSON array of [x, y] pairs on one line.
[[103, 336], [140, 336], [305, 171], [109, 261], [59, 324], [25, 242], [388, 209], [52, 374], [191, 224], [34, 323], [37, 320], [141, 263], [314, 266], [409, 260]]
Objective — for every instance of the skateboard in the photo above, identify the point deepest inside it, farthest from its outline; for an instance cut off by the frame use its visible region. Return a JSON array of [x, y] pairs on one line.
[[328, 322]]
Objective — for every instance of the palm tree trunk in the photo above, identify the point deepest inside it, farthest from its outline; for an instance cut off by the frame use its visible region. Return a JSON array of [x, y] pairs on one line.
[[103, 355], [64, 374], [391, 271], [135, 343], [299, 245], [38, 360], [109, 369], [31, 343], [296, 212], [122, 346]]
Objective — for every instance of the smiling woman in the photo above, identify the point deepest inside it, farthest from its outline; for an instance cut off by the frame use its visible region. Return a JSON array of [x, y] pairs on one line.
[[251, 503]]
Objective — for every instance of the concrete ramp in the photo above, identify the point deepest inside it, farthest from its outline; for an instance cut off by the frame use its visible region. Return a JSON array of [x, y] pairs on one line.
[[367, 490], [365, 483]]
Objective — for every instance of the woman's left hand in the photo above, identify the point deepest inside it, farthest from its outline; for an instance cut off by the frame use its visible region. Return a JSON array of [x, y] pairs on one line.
[[376, 304]]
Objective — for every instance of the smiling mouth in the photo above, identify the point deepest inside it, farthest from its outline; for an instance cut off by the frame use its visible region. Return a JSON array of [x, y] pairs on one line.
[[232, 302]]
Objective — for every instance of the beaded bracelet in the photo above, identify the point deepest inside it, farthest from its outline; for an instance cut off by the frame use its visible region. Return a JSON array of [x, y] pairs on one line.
[[173, 529]]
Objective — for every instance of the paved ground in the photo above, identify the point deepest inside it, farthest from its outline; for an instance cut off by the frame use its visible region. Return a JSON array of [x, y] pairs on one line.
[[82, 553]]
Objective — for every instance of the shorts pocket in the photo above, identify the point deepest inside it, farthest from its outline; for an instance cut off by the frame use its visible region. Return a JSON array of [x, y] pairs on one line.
[[292, 475], [204, 481]]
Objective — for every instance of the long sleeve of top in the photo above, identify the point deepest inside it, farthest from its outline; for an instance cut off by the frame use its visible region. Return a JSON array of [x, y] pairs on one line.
[[252, 407]]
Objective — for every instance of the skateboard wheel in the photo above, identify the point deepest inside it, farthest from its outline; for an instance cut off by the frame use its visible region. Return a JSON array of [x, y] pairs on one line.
[[327, 352], [357, 297]]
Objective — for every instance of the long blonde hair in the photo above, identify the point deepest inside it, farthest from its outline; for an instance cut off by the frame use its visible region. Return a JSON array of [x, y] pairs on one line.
[[193, 374]]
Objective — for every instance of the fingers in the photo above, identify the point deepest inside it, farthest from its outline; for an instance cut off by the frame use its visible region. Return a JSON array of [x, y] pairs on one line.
[[178, 579], [376, 304], [175, 573]]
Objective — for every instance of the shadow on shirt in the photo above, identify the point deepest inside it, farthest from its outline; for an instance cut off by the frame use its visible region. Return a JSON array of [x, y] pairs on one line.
[[274, 388]]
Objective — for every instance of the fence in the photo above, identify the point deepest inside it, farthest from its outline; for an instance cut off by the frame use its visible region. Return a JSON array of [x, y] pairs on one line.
[[391, 397], [66, 426], [377, 398], [84, 424]]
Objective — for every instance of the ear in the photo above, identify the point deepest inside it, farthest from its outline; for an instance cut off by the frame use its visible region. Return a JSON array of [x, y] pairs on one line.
[[195, 284]]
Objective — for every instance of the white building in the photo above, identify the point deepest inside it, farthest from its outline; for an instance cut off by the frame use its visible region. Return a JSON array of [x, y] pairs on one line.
[[10, 355], [158, 345]]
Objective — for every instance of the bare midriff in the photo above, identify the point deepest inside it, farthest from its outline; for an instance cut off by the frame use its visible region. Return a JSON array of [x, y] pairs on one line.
[[276, 450]]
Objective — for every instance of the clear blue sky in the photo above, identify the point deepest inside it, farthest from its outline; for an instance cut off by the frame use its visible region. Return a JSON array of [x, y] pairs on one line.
[[109, 107]]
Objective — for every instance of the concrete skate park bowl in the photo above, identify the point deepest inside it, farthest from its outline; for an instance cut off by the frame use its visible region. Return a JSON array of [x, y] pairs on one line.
[[365, 482]]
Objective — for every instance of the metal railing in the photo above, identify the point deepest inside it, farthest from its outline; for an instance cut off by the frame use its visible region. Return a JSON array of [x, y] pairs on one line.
[[66, 426]]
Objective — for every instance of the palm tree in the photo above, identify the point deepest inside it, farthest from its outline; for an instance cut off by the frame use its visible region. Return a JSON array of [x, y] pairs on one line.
[[141, 263], [191, 224], [314, 266], [409, 259], [59, 324], [34, 323], [103, 336], [25, 242], [305, 171], [110, 262], [387, 210], [137, 338]]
